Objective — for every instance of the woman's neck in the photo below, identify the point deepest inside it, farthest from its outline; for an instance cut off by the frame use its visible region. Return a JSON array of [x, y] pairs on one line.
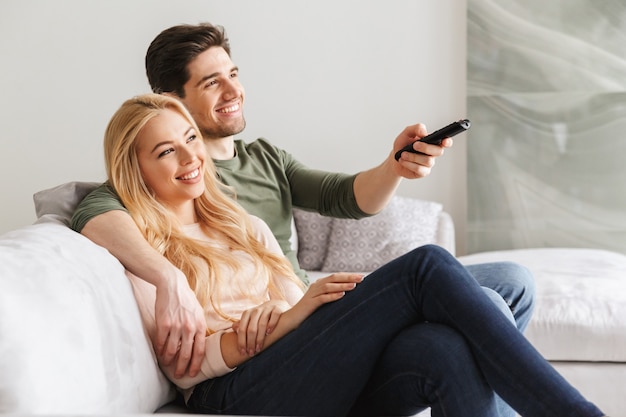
[[185, 212]]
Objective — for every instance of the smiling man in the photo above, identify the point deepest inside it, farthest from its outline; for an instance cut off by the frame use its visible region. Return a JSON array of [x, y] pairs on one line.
[[193, 64]]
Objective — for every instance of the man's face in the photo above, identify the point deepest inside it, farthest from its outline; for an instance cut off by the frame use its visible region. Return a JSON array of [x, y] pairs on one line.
[[213, 94]]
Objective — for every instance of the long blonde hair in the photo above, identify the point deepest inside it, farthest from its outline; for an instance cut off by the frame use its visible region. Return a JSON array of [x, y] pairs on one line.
[[217, 212]]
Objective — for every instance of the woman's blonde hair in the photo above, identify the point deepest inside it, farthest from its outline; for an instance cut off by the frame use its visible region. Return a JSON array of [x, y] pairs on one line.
[[217, 212]]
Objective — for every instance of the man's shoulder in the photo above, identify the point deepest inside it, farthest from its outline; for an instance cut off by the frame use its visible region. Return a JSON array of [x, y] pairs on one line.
[[104, 192], [99, 201], [260, 145]]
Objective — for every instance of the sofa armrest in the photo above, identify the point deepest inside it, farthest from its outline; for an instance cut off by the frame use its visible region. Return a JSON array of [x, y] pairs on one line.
[[72, 340]]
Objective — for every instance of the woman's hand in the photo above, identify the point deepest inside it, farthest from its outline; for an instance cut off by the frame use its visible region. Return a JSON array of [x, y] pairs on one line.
[[256, 323], [262, 326], [323, 291]]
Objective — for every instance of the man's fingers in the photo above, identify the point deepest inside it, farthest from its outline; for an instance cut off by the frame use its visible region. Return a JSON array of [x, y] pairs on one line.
[[198, 354], [183, 354], [170, 349]]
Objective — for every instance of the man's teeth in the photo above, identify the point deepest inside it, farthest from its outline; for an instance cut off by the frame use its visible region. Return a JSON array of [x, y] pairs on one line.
[[191, 175], [230, 109]]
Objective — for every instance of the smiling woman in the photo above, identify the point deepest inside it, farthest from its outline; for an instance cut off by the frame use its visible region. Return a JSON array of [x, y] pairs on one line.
[[266, 332], [171, 157]]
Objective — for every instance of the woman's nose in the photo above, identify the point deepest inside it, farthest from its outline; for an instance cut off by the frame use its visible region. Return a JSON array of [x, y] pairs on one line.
[[188, 156]]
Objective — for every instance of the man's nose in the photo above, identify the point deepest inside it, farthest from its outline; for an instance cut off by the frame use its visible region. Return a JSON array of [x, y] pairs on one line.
[[231, 89]]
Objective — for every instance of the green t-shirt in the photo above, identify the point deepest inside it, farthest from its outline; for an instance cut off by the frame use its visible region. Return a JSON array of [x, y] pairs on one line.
[[269, 182]]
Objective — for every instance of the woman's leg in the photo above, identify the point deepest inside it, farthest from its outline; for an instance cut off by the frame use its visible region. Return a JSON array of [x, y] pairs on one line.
[[427, 365], [321, 367], [512, 288], [430, 364], [446, 293]]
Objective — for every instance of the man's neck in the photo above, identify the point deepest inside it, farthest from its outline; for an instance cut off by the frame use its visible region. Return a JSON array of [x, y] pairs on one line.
[[221, 148]]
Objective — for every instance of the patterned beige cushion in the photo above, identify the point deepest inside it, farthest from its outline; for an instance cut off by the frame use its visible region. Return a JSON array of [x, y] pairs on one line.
[[313, 231], [364, 245]]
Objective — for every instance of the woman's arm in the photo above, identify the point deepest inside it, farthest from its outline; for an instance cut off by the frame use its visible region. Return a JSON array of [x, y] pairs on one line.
[[240, 346]]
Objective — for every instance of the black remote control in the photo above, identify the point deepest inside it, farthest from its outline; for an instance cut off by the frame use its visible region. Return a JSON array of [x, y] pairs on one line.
[[437, 136]]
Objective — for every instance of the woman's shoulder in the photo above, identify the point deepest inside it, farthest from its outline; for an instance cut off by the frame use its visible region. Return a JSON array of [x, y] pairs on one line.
[[259, 224]]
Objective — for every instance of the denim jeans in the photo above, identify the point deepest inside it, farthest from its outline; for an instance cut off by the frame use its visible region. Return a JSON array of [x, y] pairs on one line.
[[387, 323], [510, 282], [512, 288]]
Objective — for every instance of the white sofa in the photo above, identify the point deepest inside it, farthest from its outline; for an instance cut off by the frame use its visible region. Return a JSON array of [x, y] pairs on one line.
[[71, 340]]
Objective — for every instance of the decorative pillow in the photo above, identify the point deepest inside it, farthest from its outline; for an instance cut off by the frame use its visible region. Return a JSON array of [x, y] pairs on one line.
[[313, 231], [71, 337], [58, 204], [366, 244]]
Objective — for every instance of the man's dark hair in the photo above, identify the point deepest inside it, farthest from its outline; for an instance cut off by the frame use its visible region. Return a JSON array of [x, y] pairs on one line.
[[173, 49]]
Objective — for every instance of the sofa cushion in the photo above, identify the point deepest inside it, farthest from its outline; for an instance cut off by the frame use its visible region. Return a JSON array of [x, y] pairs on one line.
[[313, 231], [580, 311], [57, 204], [71, 337], [365, 244]]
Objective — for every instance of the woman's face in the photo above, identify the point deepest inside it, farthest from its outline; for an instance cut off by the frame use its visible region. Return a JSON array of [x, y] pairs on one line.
[[171, 159]]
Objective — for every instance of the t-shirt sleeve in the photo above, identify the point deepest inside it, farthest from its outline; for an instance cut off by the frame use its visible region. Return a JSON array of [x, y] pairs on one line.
[[99, 201], [328, 193]]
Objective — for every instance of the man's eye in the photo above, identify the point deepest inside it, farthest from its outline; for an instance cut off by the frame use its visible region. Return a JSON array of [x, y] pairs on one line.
[[210, 84]]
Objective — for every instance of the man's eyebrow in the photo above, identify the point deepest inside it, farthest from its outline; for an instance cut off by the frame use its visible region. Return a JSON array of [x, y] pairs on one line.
[[213, 75]]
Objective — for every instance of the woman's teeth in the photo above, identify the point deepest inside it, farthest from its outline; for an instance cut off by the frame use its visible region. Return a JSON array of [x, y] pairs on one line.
[[190, 176]]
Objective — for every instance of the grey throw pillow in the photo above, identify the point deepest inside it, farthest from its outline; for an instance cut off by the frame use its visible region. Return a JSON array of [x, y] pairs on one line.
[[58, 204]]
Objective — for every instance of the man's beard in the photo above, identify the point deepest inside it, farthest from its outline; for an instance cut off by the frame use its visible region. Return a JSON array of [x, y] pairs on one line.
[[224, 131]]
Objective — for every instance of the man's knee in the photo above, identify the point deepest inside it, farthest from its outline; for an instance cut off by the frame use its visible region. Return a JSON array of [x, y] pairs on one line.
[[500, 303], [513, 282]]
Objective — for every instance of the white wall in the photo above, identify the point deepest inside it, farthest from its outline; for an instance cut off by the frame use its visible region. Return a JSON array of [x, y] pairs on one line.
[[331, 81]]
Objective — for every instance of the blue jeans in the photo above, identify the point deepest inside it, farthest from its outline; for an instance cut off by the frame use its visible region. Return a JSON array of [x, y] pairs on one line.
[[323, 366], [512, 288], [511, 283]]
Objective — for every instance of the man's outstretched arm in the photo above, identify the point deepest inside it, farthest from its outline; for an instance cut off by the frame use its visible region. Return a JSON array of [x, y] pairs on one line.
[[374, 188], [181, 325]]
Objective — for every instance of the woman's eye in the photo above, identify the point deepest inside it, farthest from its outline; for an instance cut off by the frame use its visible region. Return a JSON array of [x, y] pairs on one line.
[[191, 138], [166, 152]]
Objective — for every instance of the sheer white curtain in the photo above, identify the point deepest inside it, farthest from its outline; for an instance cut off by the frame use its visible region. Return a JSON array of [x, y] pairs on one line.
[[547, 102]]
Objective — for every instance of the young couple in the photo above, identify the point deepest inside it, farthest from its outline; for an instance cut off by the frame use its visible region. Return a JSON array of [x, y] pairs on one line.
[[418, 332]]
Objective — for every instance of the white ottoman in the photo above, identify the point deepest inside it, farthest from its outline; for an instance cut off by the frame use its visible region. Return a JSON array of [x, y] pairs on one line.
[[579, 322]]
